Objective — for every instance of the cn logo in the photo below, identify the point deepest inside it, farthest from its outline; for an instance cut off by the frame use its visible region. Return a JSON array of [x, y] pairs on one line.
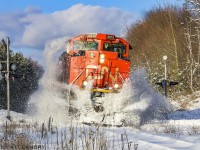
[[104, 70]]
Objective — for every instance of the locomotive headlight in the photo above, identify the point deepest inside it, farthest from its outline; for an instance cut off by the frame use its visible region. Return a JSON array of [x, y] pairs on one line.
[[116, 86], [85, 83], [102, 58]]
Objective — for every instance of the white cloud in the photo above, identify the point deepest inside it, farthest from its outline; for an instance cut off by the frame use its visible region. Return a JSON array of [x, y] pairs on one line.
[[32, 28]]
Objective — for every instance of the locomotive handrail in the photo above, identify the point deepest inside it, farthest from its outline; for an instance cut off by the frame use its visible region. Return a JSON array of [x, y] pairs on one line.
[[120, 76], [78, 76]]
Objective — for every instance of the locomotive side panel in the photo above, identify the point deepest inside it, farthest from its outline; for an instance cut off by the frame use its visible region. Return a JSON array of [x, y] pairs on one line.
[[77, 67]]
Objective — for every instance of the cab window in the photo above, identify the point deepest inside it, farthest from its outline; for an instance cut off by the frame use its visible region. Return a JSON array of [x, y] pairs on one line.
[[113, 47], [85, 45]]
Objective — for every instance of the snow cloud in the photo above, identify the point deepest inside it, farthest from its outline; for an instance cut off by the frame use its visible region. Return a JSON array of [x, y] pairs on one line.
[[31, 28]]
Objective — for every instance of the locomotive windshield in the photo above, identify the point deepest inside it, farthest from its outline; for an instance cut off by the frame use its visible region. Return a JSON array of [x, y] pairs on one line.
[[85, 45], [113, 47]]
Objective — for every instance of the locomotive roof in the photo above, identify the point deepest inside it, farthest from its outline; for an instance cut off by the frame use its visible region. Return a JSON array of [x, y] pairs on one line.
[[102, 36], [94, 34]]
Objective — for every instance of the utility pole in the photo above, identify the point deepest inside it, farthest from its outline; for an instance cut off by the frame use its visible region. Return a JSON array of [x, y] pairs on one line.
[[8, 80], [7, 73]]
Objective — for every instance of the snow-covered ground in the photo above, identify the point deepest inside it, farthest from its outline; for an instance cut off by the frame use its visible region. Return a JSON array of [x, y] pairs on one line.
[[180, 131]]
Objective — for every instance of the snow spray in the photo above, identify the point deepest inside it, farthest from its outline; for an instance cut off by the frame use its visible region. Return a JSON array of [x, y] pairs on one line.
[[149, 104], [135, 105], [47, 100]]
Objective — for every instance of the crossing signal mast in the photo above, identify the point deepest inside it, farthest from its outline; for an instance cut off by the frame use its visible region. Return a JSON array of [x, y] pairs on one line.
[[165, 83]]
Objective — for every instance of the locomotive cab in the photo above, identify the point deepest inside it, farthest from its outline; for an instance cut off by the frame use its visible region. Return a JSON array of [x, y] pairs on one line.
[[101, 58]]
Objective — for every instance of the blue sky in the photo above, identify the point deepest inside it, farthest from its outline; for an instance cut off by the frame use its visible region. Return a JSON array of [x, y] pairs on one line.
[[31, 23], [135, 6]]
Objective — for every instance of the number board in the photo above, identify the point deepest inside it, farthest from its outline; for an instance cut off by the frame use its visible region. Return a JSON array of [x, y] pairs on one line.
[[92, 35], [110, 37]]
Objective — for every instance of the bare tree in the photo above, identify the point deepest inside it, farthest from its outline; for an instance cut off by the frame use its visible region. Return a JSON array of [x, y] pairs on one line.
[[198, 56], [174, 41], [188, 37], [194, 7]]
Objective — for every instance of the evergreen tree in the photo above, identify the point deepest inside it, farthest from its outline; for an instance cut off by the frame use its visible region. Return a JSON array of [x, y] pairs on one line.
[[23, 81]]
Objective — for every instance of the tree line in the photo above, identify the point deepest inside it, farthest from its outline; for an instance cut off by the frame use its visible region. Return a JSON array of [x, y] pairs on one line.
[[173, 31], [23, 81]]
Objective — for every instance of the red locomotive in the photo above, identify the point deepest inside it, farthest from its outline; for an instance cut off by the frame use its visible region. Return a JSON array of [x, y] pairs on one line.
[[103, 58]]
